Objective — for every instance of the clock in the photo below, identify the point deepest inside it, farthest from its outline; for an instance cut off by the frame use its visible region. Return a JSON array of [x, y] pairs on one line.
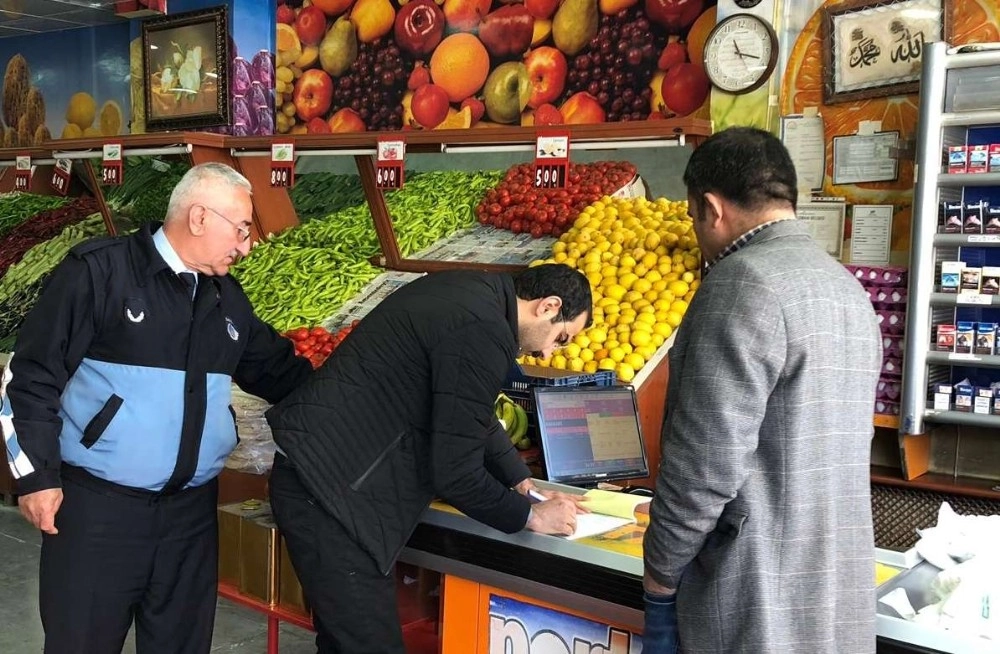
[[741, 53], [747, 4]]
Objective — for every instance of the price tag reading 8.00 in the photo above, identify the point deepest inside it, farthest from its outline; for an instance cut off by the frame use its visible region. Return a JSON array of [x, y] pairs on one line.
[[60, 176], [282, 165]]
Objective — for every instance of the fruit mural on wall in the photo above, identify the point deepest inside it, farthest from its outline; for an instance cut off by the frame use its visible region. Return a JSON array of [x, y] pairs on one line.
[[43, 96], [355, 65], [972, 21]]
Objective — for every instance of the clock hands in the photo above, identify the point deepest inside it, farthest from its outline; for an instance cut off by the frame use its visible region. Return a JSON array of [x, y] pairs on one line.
[[743, 55]]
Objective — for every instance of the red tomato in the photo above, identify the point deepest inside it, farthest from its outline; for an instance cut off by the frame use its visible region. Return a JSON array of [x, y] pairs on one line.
[[299, 334]]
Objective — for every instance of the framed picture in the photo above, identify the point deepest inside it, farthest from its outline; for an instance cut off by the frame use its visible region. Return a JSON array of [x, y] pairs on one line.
[[185, 70], [874, 48]]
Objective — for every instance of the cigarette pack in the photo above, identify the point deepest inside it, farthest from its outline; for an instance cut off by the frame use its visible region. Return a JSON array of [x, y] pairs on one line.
[[951, 218], [957, 159], [951, 276], [978, 158]]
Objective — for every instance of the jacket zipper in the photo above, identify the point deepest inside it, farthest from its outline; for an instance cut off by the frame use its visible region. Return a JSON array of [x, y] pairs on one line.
[[378, 461]]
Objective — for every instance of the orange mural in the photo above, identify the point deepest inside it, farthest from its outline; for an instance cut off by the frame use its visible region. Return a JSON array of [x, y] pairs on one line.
[[972, 21]]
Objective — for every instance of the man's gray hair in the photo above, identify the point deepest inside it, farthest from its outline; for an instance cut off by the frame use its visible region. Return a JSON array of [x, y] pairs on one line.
[[200, 174]]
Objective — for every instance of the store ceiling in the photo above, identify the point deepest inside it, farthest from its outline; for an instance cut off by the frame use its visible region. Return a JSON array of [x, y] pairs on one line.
[[27, 17]]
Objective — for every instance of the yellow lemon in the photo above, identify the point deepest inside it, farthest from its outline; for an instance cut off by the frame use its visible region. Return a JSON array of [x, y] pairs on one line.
[[680, 306], [110, 120], [590, 366], [625, 372], [597, 335], [617, 291], [607, 364], [642, 285], [617, 354], [81, 110], [647, 352], [647, 318], [71, 131], [663, 329], [658, 339], [559, 361], [679, 287], [586, 355], [640, 338], [582, 340], [673, 318], [576, 364], [572, 350], [635, 360]]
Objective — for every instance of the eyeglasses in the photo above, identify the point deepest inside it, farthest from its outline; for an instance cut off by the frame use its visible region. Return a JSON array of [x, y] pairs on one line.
[[563, 340], [243, 231]]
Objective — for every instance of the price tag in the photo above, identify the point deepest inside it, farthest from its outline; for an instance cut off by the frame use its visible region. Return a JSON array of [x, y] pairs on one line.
[[112, 170], [984, 238], [22, 172], [551, 160], [974, 298], [962, 357], [282, 165], [389, 155], [60, 176]]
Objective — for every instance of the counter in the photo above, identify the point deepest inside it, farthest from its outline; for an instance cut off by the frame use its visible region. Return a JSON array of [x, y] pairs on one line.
[[527, 592]]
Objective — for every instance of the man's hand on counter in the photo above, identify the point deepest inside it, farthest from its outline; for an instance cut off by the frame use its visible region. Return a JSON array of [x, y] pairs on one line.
[[535, 494], [555, 516]]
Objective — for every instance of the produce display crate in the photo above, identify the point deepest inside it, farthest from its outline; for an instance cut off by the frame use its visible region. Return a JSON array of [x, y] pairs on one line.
[[522, 380]]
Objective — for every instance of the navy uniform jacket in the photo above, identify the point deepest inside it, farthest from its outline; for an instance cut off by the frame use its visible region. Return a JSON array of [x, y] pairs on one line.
[[118, 372]]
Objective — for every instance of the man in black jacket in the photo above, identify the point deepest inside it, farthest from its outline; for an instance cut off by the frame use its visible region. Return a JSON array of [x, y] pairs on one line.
[[403, 412], [117, 420]]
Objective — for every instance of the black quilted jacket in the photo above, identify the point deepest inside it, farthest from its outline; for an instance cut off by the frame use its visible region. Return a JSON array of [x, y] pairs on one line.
[[403, 412]]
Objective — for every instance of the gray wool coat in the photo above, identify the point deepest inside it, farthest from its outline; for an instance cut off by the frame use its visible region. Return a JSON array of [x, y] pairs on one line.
[[762, 515]]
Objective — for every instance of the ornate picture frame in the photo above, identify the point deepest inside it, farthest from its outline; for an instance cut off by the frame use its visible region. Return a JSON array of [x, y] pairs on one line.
[[185, 70], [873, 48]]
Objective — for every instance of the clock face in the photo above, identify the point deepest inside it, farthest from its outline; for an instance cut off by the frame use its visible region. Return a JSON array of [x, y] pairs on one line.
[[747, 4], [740, 53]]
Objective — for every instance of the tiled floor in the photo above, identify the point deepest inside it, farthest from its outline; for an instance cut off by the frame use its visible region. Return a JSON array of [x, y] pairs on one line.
[[237, 629]]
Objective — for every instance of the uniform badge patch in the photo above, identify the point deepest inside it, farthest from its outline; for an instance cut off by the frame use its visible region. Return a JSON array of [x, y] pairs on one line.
[[231, 329], [135, 310]]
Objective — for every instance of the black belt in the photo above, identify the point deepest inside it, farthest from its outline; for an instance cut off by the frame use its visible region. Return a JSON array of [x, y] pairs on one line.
[[88, 480]]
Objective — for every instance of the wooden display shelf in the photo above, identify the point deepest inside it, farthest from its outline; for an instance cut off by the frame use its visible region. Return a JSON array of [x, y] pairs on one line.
[[966, 486], [886, 421]]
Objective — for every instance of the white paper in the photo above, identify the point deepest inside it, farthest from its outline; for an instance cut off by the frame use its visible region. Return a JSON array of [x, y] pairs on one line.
[[825, 221], [864, 158], [803, 136], [871, 233], [900, 603], [592, 524]]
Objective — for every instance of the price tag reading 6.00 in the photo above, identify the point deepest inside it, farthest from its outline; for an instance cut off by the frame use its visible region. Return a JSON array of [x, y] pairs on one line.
[[60, 176], [389, 155]]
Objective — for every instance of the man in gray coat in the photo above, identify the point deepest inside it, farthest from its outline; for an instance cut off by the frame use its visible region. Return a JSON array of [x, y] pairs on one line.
[[760, 535]]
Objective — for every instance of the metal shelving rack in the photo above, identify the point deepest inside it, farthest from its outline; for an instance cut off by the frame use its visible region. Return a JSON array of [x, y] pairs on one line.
[[926, 308]]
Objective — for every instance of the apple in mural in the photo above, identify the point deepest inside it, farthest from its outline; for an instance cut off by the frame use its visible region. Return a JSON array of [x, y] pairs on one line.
[[465, 15], [541, 8], [312, 94], [582, 108], [675, 15], [317, 126], [310, 25], [285, 14], [346, 120], [547, 114], [419, 27], [547, 69], [429, 105], [507, 91], [507, 31]]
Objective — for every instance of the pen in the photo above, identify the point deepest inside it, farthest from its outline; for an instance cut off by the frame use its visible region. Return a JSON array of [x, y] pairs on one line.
[[535, 496]]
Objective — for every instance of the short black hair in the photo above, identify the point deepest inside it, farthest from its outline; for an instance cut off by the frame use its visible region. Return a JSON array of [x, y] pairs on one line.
[[747, 166], [568, 284]]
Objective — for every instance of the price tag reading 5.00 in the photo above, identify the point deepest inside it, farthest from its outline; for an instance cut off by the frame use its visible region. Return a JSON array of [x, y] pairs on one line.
[[550, 176], [112, 172], [282, 165]]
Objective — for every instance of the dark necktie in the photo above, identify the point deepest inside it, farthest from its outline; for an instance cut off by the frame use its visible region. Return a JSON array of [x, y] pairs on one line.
[[189, 280]]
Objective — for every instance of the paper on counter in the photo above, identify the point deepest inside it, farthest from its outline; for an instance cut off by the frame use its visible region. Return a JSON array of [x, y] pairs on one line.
[[900, 603], [593, 524], [621, 505]]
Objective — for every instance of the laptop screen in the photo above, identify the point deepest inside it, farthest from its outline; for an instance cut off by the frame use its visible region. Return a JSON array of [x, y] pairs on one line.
[[590, 434]]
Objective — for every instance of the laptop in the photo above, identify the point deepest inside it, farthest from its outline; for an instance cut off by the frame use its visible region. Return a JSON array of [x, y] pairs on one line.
[[590, 434]]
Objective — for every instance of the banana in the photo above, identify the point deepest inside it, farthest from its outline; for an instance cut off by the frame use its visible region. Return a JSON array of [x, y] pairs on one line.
[[509, 418], [523, 444], [522, 423]]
